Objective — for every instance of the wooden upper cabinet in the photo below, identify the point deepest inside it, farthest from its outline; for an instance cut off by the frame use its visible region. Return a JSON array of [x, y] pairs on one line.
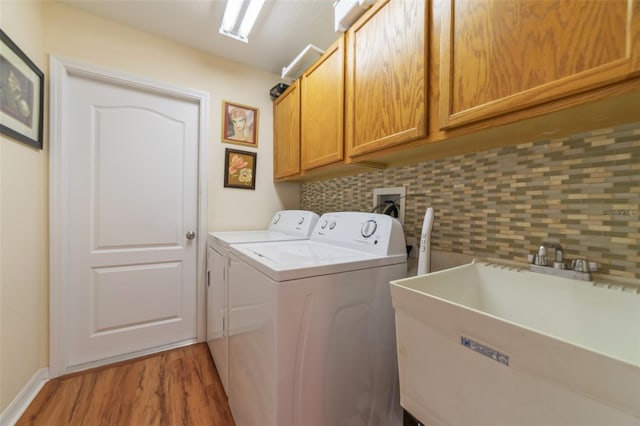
[[322, 106], [286, 133], [499, 56], [386, 76]]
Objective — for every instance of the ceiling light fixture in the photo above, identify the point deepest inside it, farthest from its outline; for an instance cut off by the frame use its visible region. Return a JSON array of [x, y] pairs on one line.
[[229, 26]]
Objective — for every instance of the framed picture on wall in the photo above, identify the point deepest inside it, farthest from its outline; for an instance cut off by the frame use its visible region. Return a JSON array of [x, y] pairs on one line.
[[239, 124], [21, 94], [239, 169]]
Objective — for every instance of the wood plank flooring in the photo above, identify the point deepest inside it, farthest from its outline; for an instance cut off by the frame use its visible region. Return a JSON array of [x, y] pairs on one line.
[[177, 387]]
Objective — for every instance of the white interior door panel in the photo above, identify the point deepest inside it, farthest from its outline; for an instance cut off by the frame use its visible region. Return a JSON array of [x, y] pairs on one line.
[[128, 168]]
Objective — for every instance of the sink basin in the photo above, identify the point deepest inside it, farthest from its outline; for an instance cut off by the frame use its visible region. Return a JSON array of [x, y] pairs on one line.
[[485, 344]]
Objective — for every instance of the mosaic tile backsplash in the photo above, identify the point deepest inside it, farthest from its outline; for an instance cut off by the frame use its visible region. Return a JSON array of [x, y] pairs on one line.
[[582, 191]]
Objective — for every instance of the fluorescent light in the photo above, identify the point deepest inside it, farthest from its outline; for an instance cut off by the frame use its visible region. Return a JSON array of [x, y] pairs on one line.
[[250, 17], [231, 15]]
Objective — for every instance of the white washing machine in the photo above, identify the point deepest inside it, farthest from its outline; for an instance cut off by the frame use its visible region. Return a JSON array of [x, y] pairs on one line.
[[311, 325], [285, 225]]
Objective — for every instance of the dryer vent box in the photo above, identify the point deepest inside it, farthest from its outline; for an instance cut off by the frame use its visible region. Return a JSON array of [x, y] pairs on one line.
[[382, 196]]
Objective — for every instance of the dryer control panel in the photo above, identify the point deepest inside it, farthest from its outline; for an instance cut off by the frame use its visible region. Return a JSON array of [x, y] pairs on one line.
[[294, 222], [371, 232]]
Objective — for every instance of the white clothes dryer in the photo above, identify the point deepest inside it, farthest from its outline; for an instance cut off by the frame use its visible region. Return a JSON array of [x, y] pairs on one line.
[[285, 225], [311, 325]]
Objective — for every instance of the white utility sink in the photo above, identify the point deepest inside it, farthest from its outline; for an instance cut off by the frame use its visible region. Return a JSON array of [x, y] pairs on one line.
[[485, 344]]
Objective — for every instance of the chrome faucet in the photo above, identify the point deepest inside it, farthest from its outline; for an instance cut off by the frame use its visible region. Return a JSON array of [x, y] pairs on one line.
[[539, 262], [542, 259]]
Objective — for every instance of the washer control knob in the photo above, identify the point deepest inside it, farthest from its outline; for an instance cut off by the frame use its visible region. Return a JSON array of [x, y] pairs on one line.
[[369, 228], [323, 224], [332, 224], [276, 218], [301, 221]]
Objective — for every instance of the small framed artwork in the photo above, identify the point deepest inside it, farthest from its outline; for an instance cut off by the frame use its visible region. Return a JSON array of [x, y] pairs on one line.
[[21, 94], [239, 169], [239, 124]]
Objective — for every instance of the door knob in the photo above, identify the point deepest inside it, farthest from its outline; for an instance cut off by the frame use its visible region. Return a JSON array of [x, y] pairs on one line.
[[190, 235]]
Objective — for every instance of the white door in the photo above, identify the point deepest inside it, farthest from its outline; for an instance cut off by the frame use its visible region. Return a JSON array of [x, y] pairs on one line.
[[130, 192]]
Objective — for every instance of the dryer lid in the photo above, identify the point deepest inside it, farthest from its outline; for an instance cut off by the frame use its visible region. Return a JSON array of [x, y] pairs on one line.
[[241, 237]]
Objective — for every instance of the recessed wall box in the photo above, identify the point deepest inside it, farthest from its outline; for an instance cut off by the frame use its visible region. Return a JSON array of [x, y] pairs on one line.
[[392, 197]]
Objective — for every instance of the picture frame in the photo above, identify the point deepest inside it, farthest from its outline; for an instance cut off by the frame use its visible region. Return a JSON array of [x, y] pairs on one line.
[[239, 169], [240, 124], [21, 95]]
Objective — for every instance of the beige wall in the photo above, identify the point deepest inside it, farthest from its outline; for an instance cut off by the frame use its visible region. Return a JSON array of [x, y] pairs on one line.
[[23, 230], [48, 28]]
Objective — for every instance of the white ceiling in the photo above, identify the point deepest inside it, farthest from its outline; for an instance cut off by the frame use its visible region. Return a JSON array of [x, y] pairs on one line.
[[283, 29]]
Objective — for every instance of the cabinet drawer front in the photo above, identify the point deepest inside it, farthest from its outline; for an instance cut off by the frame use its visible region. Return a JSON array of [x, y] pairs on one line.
[[499, 56]]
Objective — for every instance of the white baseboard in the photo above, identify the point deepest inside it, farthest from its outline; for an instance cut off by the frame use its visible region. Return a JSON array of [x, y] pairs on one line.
[[12, 413]]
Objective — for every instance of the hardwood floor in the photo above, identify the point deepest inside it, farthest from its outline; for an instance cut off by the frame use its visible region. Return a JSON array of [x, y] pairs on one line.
[[178, 387]]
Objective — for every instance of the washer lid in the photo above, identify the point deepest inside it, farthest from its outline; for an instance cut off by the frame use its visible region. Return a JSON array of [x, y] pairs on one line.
[[289, 260]]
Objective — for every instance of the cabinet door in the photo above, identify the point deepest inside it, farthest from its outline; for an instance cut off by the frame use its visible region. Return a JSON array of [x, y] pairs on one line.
[[322, 109], [286, 133], [387, 76], [499, 56]]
